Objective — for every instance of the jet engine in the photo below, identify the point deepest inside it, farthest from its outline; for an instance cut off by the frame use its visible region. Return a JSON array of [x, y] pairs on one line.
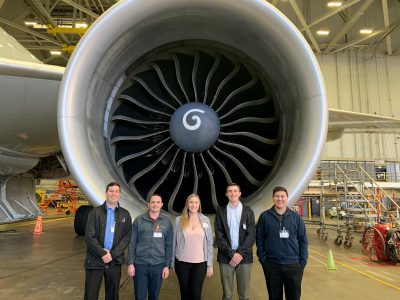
[[177, 97]]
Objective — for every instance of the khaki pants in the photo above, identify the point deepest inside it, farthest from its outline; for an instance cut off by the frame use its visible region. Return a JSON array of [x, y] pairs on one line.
[[243, 272]]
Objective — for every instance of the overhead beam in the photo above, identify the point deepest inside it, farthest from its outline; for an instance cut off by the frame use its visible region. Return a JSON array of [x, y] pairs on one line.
[[331, 13], [53, 57], [95, 5], [32, 32], [46, 15], [382, 31], [101, 5], [42, 47], [81, 8], [63, 48], [23, 15], [54, 6], [360, 11], [386, 23], [304, 23], [88, 5], [358, 41], [57, 30], [389, 30]]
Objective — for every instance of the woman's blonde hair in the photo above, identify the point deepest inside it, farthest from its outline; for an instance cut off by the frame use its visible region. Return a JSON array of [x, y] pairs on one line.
[[185, 213]]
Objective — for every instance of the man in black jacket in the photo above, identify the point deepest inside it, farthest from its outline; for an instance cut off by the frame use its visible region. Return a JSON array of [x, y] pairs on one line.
[[235, 234], [282, 248], [108, 231]]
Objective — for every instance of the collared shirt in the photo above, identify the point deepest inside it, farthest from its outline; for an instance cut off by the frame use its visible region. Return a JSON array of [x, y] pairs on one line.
[[234, 215], [110, 228]]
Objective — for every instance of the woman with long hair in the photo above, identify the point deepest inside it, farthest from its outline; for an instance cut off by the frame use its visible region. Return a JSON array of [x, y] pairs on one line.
[[193, 249]]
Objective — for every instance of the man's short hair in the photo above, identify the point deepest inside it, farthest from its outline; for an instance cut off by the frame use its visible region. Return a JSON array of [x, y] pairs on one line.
[[280, 189], [113, 184], [155, 194], [232, 184]]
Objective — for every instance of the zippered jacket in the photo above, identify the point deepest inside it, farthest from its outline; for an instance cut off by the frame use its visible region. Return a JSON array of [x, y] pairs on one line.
[[272, 248], [151, 241]]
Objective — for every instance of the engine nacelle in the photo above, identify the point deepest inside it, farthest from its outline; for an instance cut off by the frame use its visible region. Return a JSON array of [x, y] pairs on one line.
[[178, 97]]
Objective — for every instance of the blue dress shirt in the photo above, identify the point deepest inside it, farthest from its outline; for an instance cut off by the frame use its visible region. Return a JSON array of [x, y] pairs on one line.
[[234, 215], [110, 228]]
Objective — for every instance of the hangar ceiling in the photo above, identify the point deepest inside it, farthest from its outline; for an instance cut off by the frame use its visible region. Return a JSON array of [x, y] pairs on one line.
[[371, 25]]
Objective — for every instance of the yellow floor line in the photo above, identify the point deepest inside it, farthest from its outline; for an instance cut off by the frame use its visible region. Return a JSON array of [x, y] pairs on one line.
[[358, 271], [380, 275]]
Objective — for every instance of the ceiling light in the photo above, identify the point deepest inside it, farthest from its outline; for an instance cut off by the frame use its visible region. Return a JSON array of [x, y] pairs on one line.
[[334, 3], [64, 26], [30, 23], [40, 26], [12, 46], [55, 52], [323, 32], [366, 31], [1, 46], [81, 25]]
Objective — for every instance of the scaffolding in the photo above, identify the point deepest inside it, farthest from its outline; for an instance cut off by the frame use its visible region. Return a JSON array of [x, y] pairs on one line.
[[359, 199]]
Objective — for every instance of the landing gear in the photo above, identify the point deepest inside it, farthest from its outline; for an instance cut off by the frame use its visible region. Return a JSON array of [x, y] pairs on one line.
[[81, 217]]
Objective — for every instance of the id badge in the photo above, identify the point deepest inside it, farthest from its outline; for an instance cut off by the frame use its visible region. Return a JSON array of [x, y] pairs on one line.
[[283, 234], [244, 227], [205, 225], [157, 234], [113, 227]]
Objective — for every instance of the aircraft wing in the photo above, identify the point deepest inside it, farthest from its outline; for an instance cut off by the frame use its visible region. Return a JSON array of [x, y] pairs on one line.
[[341, 122]]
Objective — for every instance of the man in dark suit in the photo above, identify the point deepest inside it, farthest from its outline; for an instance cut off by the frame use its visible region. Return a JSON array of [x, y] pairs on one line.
[[107, 235]]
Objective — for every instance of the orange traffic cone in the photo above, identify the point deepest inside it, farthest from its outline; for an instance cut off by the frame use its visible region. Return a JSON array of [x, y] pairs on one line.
[[38, 226]]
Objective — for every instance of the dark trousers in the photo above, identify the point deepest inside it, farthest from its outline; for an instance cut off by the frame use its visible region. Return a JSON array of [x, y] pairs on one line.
[[148, 278], [191, 278], [279, 276], [112, 277]]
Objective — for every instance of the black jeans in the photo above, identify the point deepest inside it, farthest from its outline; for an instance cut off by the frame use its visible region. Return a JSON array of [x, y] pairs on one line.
[[279, 276], [112, 276], [191, 278]]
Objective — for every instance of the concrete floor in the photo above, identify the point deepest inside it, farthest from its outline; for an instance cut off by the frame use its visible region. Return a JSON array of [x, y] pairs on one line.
[[50, 266]]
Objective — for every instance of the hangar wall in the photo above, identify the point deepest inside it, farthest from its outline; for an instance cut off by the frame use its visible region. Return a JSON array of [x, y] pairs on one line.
[[360, 82]]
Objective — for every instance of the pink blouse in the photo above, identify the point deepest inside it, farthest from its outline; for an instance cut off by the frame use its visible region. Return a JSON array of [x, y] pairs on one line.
[[194, 244]]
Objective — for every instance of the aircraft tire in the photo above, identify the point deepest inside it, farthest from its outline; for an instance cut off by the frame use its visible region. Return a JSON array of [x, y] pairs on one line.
[[81, 217]]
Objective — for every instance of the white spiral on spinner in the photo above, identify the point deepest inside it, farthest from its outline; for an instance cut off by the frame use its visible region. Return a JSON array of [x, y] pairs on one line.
[[194, 118]]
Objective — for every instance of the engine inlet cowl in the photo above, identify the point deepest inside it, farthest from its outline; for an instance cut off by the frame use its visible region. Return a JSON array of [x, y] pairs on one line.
[[147, 69]]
